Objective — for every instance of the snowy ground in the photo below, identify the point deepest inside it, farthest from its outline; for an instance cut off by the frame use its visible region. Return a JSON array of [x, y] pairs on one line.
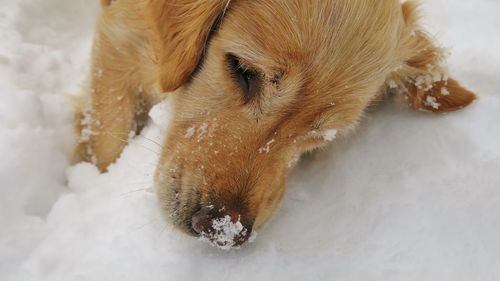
[[410, 196]]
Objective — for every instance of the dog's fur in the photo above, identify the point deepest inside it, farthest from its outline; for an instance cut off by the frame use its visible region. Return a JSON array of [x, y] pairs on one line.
[[310, 67]]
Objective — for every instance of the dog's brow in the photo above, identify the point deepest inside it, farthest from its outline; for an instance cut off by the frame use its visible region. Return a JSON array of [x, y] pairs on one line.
[[257, 60], [274, 73], [245, 63]]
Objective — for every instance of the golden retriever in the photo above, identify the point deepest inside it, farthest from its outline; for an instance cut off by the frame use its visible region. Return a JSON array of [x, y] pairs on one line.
[[254, 83]]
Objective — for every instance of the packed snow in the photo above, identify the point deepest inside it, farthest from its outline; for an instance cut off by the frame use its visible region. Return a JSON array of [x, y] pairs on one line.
[[409, 196]]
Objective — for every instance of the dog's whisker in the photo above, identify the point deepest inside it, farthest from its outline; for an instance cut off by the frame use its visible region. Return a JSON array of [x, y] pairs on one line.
[[135, 191], [146, 182], [141, 226], [152, 141], [126, 141], [163, 229], [139, 135]]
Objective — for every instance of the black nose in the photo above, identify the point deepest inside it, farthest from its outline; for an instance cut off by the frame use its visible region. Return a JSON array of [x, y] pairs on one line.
[[224, 228], [202, 220]]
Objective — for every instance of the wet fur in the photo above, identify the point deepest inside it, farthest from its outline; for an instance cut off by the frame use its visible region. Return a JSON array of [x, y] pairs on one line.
[[322, 64]]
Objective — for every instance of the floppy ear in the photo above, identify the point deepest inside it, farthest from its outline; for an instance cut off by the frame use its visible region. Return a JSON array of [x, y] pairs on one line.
[[423, 78], [443, 96], [183, 27]]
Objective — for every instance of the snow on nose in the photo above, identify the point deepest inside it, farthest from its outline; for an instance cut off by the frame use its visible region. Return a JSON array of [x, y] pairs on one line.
[[221, 228]]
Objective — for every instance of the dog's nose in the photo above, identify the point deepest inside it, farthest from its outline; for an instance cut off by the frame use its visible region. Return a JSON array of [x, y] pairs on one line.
[[201, 220], [224, 228]]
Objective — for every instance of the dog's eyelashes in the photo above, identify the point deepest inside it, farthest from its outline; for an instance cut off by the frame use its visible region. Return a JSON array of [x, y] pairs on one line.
[[248, 80]]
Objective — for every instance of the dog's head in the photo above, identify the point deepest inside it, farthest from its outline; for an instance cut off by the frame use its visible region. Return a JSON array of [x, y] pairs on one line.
[[257, 84]]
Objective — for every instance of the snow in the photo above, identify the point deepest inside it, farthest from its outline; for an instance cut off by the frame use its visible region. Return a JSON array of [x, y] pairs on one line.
[[432, 101], [225, 233], [392, 84], [267, 147], [330, 135], [190, 132], [444, 91], [409, 196]]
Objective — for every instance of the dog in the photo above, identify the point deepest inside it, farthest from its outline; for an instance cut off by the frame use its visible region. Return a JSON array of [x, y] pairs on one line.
[[254, 85]]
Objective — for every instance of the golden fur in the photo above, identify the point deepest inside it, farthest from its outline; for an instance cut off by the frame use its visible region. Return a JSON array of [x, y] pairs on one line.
[[319, 65]]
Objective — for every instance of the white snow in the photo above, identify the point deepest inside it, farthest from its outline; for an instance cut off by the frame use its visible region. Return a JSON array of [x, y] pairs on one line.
[[202, 130], [86, 123], [392, 84], [295, 158], [224, 233], [432, 101], [409, 196], [190, 132], [267, 147], [330, 135], [444, 91]]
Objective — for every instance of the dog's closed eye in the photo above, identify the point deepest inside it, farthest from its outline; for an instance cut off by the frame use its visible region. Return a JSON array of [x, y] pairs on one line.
[[247, 79]]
